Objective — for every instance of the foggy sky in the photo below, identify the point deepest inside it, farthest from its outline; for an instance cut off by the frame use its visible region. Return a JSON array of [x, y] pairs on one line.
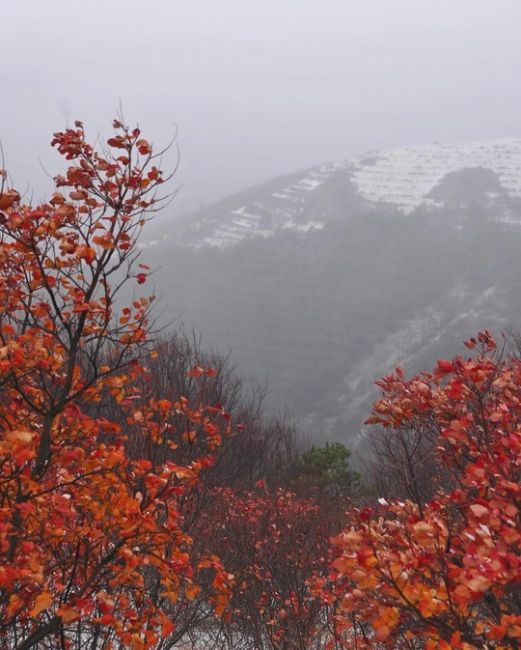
[[256, 88]]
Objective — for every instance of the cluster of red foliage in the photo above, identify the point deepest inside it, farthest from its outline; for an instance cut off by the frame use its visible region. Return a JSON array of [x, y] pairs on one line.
[[86, 529], [277, 546], [446, 573]]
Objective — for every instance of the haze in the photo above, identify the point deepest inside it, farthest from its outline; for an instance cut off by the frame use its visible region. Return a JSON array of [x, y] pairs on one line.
[[256, 89]]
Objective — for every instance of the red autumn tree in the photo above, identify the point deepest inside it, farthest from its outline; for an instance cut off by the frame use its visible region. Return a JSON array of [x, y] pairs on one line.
[[445, 573], [276, 544], [92, 542]]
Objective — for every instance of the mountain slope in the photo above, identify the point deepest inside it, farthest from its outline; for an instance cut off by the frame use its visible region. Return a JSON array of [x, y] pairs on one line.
[[326, 279]]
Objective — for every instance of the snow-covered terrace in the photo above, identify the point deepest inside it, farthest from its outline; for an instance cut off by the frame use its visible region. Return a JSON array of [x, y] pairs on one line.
[[405, 176]]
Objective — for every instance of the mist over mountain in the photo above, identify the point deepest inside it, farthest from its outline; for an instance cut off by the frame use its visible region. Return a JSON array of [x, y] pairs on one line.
[[324, 280]]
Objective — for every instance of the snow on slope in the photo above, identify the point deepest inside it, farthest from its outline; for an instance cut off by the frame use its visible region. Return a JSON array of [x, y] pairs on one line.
[[281, 211], [402, 178], [405, 176]]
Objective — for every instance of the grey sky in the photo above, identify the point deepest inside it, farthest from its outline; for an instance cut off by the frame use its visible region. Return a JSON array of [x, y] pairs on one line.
[[257, 87]]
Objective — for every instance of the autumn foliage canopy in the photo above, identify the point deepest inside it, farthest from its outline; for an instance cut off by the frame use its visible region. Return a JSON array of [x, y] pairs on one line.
[[445, 573], [90, 537], [111, 535]]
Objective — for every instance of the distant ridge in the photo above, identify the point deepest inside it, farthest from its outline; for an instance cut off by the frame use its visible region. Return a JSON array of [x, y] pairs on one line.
[[325, 279], [403, 179]]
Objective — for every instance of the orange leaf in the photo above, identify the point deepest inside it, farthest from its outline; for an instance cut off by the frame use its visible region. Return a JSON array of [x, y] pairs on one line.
[[7, 199], [143, 147], [43, 601], [68, 614], [478, 510], [104, 241], [86, 253]]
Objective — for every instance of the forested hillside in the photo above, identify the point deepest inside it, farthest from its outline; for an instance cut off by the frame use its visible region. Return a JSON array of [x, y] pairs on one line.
[[313, 283]]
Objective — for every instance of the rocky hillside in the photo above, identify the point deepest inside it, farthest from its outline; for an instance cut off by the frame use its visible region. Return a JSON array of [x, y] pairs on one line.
[[323, 280]]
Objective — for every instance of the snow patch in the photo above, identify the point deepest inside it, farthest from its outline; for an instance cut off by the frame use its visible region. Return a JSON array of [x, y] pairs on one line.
[[404, 177], [258, 220]]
